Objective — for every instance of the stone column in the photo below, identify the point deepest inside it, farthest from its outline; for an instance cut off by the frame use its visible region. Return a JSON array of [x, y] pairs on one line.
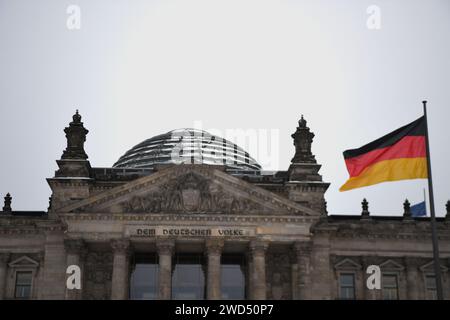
[[4, 258], [120, 276], [40, 275], [366, 293], [294, 274], [54, 277], [303, 252], [248, 276], [413, 279], [165, 249], [75, 250], [258, 250], [214, 252]]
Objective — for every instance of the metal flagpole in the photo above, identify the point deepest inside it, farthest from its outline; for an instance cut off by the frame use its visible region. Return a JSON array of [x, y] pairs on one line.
[[425, 200], [437, 265]]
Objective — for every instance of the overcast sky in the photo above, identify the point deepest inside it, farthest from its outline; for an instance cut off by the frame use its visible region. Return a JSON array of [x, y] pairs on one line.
[[136, 69]]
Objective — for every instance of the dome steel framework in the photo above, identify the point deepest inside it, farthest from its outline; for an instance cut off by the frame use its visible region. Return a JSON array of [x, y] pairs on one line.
[[187, 146]]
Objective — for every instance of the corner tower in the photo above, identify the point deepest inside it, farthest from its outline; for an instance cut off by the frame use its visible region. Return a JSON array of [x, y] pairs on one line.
[[72, 179], [305, 185]]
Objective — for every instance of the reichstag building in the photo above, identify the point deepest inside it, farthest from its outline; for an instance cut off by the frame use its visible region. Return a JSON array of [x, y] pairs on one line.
[[189, 215]]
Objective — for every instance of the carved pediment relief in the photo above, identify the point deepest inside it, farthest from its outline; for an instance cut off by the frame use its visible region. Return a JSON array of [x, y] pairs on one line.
[[191, 193], [189, 189]]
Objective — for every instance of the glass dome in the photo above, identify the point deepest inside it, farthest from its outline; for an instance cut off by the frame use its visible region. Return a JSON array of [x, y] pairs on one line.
[[187, 146]]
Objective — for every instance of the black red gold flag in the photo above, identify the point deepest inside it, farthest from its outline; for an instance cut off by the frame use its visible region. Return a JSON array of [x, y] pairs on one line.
[[399, 155]]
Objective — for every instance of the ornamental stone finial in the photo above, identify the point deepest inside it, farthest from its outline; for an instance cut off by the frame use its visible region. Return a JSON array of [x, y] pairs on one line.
[[407, 209], [7, 206], [303, 139], [447, 207], [302, 122], [365, 214], [76, 136], [76, 117]]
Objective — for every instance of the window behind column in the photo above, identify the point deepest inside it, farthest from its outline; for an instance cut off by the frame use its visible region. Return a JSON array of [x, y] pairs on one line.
[[430, 286], [347, 286], [389, 286], [188, 278], [24, 280], [233, 268], [144, 277]]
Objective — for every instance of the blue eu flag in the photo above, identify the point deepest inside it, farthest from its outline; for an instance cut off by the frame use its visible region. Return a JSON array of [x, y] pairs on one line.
[[419, 210]]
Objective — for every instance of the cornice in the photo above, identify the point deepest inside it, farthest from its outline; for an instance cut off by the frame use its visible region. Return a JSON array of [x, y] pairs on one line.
[[13, 231], [307, 186], [71, 182], [31, 226], [385, 236], [180, 217]]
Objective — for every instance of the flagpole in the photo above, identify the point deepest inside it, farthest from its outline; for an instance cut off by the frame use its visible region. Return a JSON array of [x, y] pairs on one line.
[[425, 201], [437, 265]]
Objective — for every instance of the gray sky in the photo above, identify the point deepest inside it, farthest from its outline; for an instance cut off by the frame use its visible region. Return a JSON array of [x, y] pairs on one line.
[[136, 69]]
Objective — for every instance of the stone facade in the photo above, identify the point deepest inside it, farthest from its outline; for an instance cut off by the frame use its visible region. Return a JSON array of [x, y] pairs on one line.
[[100, 218]]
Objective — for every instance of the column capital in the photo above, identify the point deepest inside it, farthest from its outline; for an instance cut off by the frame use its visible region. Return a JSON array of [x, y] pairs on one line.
[[258, 246], [120, 245], [366, 261], [303, 247], [74, 246], [165, 246], [214, 246], [293, 256], [4, 257], [41, 257], [412, 262]]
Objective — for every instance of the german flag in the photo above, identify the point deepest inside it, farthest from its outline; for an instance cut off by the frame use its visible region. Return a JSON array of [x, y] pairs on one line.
[[399, 155]]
